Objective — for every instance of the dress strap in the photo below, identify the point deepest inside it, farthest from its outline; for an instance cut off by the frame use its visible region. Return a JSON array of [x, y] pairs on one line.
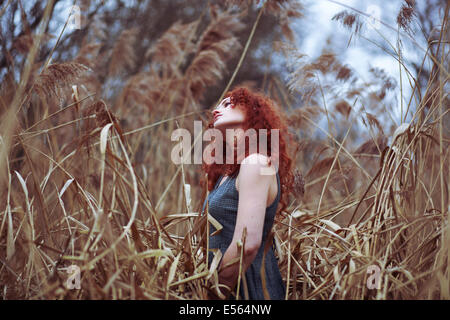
[[277, 198], [219, 180]]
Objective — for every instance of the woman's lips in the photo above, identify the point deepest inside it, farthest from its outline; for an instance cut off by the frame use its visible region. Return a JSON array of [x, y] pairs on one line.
[[216, 116]]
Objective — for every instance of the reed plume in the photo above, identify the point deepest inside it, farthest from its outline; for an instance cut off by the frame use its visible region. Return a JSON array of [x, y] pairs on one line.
[[57, 77]]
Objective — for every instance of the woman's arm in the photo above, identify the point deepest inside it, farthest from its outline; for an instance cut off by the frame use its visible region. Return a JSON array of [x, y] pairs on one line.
[[253, 193]]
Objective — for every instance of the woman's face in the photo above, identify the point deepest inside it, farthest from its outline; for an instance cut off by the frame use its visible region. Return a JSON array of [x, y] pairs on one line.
[[227, 115]]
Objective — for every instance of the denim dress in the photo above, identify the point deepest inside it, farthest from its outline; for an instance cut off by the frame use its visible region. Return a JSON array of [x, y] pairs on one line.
[[223, 206]]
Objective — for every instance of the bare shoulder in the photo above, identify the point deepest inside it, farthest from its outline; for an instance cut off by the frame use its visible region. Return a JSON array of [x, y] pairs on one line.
[[256, 178], [256, 158], [256, 166]]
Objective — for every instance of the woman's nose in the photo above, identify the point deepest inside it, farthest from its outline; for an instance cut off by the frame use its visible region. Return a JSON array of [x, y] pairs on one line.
[[215, 111]]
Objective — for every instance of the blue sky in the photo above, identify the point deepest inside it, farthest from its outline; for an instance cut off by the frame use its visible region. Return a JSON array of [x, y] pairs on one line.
[[360, 54]]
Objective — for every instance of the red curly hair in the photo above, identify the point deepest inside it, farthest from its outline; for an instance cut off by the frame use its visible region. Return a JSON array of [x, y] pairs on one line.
[[260, 112]]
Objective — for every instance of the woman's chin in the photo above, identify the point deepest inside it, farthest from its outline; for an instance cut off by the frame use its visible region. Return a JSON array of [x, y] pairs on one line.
[[227, 124], [218, 124]]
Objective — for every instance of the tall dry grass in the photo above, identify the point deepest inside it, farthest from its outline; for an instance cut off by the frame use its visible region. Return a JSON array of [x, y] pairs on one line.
[[87, 181]]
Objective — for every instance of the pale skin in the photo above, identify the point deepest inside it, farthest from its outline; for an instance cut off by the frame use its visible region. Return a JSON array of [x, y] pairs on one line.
[[256, 192]]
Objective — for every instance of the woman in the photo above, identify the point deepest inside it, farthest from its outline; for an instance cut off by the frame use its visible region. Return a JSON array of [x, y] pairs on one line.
[[245, 192]]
